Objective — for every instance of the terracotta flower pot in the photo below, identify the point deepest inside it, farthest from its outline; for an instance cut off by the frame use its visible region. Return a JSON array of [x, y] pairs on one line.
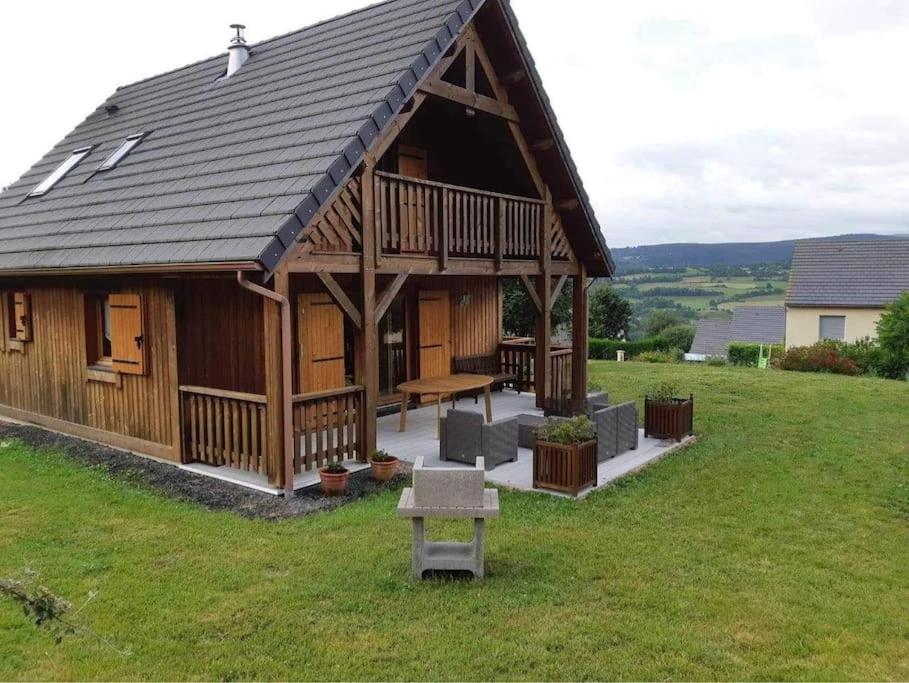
[[384, 470], [333, 484]]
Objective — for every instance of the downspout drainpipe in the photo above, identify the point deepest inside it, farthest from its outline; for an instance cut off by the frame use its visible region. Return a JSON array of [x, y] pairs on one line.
[[286, 375]]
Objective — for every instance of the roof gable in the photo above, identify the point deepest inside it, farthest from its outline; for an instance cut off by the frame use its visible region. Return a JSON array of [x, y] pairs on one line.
[[861, 273], [232, 171]]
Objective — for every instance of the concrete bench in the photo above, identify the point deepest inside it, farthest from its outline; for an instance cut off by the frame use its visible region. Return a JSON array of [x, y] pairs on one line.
[[452, 493]]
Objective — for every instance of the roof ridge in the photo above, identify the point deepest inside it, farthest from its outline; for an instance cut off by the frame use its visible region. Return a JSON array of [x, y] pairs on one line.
[[253, 46]]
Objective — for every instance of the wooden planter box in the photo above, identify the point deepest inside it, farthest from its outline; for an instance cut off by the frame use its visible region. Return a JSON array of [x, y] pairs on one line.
[[565, 468], [673, 420]]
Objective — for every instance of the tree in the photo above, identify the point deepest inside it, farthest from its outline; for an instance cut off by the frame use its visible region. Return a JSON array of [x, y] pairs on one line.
[[893, 337], [679, 337], [659, 320], [610, 313], [519, 315]]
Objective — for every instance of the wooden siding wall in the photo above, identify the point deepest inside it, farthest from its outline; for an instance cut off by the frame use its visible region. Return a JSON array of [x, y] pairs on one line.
[[49, 377], [219, 334], [475, 325]]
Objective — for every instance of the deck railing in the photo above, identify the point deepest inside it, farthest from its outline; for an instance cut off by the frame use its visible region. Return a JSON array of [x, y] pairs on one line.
[[326, 427], [416, 216], [224, 428], [517, 357]]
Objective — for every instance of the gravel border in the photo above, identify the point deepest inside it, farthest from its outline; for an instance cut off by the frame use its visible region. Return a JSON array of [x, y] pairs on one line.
[[211, 493]]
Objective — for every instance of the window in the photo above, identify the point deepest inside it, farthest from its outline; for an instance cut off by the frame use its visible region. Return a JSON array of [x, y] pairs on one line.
[[17, 320], [833, 327], [59, 172], [121, 151], [98, 349], [114, 333]]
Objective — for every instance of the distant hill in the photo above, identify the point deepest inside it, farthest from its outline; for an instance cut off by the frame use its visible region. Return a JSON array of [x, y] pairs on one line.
[[727, 254]]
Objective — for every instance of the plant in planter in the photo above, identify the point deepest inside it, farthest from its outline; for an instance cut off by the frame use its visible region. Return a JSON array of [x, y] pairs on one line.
[[384, 466], [334, 479], [665, 415], [565, 455]]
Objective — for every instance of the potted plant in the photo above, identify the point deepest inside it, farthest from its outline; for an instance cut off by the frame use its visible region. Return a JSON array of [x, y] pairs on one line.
[[384, 466], [565, 455], [667, 416], [334, 479]]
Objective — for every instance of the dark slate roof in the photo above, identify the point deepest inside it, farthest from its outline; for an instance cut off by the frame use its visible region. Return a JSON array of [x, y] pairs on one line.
[[866, 273], [232, 170], [758, 324], [711, 337], [754, 324]]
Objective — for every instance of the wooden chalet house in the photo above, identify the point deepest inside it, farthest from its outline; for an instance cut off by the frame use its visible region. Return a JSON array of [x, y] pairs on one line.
[[238, 261]]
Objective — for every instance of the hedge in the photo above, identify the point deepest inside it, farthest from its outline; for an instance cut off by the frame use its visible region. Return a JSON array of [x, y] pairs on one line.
[[604, 349], [742, 353]]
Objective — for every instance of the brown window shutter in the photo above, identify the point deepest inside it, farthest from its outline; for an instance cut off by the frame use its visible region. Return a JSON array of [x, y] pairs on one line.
[[321, 337], [23, 316], [127, 331]]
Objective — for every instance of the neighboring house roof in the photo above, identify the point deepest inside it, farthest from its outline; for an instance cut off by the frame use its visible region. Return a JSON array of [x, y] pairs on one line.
[[758, 324], [861, 274], [711, 337], [753, 324], [233, 170]]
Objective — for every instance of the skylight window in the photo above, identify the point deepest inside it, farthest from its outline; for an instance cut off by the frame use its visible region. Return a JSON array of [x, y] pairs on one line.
[[58, 174], [121, 151]]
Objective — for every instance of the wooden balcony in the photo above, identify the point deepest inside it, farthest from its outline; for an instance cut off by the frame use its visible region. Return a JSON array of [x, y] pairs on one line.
[[422, 217]]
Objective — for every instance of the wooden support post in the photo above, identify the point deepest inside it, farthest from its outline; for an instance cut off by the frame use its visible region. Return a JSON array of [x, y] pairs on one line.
[[500, 233], [543, 356], [376, 213], [579, 340], [445, 232], [275, 400], [368, 339]]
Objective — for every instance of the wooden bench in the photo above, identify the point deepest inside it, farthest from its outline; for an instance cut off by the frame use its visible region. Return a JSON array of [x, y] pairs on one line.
[[488, 365]]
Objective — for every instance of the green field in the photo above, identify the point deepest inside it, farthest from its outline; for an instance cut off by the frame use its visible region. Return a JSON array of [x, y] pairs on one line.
[[720, 285], [774, 548]]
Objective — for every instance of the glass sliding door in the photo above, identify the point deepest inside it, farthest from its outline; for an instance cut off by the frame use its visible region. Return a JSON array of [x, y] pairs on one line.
[[392, 348]]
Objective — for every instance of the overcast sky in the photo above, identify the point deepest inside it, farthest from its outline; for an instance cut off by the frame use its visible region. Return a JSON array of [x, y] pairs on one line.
[[690, 121]]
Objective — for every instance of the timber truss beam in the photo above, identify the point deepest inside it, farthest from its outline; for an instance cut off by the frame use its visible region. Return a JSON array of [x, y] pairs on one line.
[[474, 58], [339, 296]]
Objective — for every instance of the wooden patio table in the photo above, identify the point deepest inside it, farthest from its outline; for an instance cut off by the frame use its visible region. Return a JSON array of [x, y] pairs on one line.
[[440, 386]]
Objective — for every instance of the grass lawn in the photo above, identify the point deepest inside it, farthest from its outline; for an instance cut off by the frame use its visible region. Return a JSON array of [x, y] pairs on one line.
[[776, 547]]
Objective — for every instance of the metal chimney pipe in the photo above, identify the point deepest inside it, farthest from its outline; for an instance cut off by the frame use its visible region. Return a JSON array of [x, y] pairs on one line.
[[237, 51]]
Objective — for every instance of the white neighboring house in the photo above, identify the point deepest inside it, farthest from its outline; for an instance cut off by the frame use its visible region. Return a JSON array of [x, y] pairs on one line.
[[750, 324], [839, 289]]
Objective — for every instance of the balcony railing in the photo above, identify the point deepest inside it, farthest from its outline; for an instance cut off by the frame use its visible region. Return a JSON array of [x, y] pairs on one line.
[[518, 358], [224, 428], [424, 217], [326, 427]]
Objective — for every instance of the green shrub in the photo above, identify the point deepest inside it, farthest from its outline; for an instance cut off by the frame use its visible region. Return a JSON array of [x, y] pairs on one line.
[[865, 353], [679, 337], [716, 361], [664, 392], [744, 353], [893, 334], [820, 357], [576, 430], [673, 356]]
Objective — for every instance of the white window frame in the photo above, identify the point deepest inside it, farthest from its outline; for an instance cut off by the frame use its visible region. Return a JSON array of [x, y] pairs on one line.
[[60, 172], [121, 152]]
